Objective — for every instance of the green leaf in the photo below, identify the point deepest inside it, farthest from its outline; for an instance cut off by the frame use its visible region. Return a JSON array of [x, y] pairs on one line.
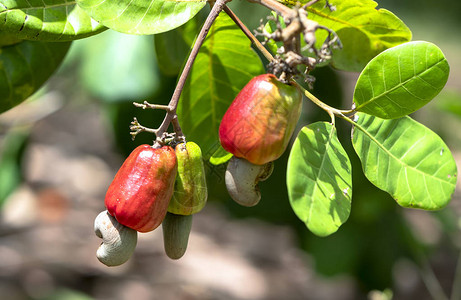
[[140, 16], [133, 77], [24, 67], [172, 47], [401, 80], [405, 159], [319, 179], [47, 20], [7, 39], [363, 30], [225, 63]]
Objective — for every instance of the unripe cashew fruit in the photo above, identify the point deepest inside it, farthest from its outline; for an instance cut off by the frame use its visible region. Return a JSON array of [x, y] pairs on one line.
[[176, 230], [190, 190], [242, 179], [260, 121], [118, 241], [138, 196]]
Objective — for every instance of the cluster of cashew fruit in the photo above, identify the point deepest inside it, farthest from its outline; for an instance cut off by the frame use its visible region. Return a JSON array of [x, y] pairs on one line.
[[256, 129], [153, 186], [167, 186]]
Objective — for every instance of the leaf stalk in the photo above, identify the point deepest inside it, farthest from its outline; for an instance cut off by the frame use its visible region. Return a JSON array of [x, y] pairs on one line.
[[332, 112]]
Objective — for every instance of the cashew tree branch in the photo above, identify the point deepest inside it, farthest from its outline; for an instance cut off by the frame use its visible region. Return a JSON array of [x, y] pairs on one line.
[[171, 116]]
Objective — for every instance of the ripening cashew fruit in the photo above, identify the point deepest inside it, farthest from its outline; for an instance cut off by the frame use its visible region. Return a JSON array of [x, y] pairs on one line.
[[176, 230], [138, 196], [118, 241], [242, 179], [260, 121], [190, 190]]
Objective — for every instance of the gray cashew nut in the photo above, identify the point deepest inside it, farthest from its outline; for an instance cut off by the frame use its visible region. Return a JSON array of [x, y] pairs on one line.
[[176, 230], [242, 179], [118, 241]]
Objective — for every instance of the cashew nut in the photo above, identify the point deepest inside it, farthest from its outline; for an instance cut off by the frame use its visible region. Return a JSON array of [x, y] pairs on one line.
[[118, 241], [242, 179], [176, 230]]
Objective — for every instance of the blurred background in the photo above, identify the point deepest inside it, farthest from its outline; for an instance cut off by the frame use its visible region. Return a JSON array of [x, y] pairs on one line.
[[60, 150]]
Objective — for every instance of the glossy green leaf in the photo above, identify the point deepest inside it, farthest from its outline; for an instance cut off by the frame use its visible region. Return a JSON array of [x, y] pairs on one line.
[[363, 30], [24, 67], [172, 47], [401, 80], [140, 16], [47, 20], [225, 63], [405, 159], [7, 39], [220, 156], [319, 179], [133, 75]]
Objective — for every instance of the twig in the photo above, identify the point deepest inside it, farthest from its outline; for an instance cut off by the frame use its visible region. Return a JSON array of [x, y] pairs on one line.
[[456, 288], [137, 128], [171, 116], [146, 105], [431, 282], [179, 137]]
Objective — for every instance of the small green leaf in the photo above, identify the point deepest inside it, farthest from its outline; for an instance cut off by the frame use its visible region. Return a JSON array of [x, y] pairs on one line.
[[364, 30], [46, 20], [319, 179], [401, 80], [405, 159], [270, 27], [225, 63], [140, 16], [24, 67], [220, 156]]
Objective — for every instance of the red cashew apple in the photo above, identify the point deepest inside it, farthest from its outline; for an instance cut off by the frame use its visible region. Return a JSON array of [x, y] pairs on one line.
[[138, 196], [260, 121]]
